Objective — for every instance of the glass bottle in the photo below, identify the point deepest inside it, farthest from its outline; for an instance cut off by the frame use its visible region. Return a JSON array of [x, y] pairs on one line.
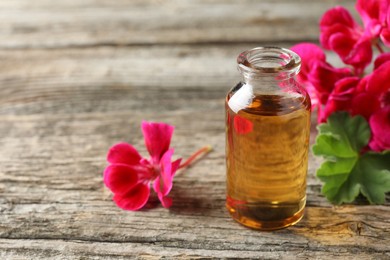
[[267, 140]]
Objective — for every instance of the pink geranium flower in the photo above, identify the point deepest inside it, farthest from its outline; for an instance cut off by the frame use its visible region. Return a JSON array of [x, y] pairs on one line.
[[380, 128], [376, 18], [373, 102], [385, 32], [341, 97], [340, 33], [129, 176], [310, 54], [317, 75], [353, 89], [373, 92], [370, 12]]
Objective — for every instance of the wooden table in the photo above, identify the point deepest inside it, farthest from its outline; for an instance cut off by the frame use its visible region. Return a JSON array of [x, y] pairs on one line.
[[78, 76]]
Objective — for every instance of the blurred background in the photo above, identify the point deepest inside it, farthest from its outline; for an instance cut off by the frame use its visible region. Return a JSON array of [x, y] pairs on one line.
[[100, 55]]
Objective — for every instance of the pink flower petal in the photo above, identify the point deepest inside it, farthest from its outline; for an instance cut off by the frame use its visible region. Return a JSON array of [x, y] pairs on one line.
[[159, 185], [339, 39], [368, 9], [175, 166], [379, 81], [120, 178], [370, 12], [308, 53], [123, 153], [373, 91], [134, 199], [157, 139], [340, 33], [324, 76], [380, 127], [166, 201], [164, 182], [339, 15], [376, 18], [360, 55], [341, 97], [365, 104], [381, 59], [385, 36], [384, 12], [353, 51]]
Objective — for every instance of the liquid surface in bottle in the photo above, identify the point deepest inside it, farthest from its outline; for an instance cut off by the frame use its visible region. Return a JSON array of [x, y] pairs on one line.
[[267, 155]]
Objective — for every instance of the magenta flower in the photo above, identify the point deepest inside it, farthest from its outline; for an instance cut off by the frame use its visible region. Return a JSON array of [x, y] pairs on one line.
[[129, 175], [370, 12], [372, 100], [380, 128], [381, 59], [317, 75], [324, 76], [385, 32], [376, 18], [341, 97], [373, 91], [352, 90], [340, 33], [310, 54]]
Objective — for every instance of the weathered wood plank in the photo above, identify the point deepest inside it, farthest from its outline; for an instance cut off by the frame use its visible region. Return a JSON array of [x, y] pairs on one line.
[[108, 79], [118, 79], [73, 23], [56, 143], [60, 249], [51, 191], [79, 249], [53, 152], [79, 76]]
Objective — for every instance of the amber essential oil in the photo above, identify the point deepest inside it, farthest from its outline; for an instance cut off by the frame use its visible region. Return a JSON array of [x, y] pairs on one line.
[[267, 156]]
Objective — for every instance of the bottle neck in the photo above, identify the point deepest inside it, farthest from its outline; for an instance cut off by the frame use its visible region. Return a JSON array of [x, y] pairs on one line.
[[269, 70]]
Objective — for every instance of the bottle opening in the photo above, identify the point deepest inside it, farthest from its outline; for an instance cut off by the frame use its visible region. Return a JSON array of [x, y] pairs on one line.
[[270, 60]]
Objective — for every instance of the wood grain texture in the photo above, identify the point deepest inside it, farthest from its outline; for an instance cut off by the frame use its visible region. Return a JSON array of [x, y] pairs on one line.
[[78, 76], [73, 23], [57, 205], [104, 79]]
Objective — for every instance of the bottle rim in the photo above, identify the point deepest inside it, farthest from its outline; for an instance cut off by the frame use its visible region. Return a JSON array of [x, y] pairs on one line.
[[269, 60]]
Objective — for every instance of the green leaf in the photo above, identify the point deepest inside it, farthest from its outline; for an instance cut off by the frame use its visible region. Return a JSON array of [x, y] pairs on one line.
[[345, 171], [374, 176], [342, 136]]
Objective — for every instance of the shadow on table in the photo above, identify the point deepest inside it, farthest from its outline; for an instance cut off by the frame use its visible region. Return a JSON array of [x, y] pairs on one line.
[[199, 201]]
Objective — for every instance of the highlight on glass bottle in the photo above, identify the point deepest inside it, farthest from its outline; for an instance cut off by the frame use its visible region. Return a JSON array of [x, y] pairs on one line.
[[267, 140]]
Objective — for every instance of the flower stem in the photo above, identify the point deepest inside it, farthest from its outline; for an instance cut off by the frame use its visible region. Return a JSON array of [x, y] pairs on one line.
[[204, 150], [379, 47]]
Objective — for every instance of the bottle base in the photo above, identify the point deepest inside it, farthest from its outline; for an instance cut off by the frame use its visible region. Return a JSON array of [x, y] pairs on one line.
[[265, 225]]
